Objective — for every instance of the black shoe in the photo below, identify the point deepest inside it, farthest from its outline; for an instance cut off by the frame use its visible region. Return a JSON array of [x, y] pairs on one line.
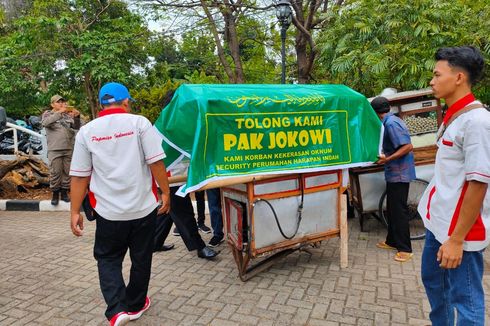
[[215, 241], [176, 232], [164, 248], [204, 229], [64, 196], [56, 198], [207, 253]]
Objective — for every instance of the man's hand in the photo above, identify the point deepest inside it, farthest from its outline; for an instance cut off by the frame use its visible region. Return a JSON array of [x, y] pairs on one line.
[[74, 113], [381, 159], [450, 254], [77, 224], [165, 208]]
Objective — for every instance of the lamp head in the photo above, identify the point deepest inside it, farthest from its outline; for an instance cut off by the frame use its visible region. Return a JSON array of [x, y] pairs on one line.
[[283, 12]]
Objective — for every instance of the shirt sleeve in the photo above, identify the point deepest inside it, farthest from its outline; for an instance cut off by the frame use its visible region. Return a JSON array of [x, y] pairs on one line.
[[49, 117], [398, 134], [81, 161], [476, 148], [151, 141]]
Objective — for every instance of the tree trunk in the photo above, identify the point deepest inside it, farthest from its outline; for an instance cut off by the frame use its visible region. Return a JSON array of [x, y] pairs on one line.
[[219, 46], [91, 95], [302, 59], [7, 166], [305, 21], [233, 43]]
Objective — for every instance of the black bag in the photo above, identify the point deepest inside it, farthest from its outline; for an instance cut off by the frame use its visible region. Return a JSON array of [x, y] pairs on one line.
[[87, 208]]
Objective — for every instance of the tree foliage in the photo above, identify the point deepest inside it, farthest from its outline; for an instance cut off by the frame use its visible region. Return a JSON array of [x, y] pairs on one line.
[[238, 32], [149, 100], [69, 47], [371, 44]]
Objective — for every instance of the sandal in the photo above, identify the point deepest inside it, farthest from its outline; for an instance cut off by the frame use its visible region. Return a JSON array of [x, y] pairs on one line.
[[383, 245], [403, 256]]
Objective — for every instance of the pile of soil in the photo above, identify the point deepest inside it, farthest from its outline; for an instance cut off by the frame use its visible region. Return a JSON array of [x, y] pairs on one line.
[[31, 194]]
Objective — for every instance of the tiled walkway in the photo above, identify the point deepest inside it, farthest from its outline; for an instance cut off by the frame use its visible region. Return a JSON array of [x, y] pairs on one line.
[[48, 277]]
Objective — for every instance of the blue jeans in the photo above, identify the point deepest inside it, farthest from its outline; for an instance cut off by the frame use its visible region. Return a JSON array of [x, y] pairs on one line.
[[214, 204], [448, 289]]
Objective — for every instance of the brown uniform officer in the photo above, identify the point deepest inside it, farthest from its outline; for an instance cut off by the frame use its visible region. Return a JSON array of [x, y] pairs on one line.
[[60, 124]]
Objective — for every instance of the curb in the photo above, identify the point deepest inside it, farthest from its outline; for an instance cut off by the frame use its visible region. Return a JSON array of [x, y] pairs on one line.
[[45, 206], [33, 205]]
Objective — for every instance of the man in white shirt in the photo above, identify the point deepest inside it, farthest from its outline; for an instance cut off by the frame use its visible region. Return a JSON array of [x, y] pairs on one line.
[[120, 155], [456, 205]]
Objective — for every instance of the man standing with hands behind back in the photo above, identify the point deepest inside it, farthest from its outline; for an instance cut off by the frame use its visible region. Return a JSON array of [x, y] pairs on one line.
[[121, 155], [456, 205], [60, 125]]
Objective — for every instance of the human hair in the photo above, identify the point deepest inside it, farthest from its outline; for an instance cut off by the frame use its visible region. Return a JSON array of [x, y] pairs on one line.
[[467, 58], [118, 103], [168, 97], [380, 105]]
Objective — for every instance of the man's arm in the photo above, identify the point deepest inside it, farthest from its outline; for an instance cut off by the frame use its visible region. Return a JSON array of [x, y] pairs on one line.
[[50, 117], [78, 190], [400, 152], [450, 253], [160, 174]]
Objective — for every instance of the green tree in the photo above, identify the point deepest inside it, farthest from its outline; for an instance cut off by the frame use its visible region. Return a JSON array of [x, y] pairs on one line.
[[70, 47], [371, 45], [308, 17], [177, 59], [149, 100], [229, 25]]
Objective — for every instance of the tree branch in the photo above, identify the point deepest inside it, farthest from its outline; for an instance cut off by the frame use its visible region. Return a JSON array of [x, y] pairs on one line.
[[97, 15], [311, 14], [194, 4]]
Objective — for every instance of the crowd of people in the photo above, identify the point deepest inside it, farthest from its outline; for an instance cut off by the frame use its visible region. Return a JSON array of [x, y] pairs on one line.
[[133, 213]]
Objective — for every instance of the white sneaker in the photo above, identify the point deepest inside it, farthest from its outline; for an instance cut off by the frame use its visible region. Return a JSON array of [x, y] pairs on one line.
[[119, 319], [137, 314]]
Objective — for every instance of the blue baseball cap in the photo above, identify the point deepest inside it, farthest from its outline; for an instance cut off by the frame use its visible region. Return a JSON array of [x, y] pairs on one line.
[[113, 92]]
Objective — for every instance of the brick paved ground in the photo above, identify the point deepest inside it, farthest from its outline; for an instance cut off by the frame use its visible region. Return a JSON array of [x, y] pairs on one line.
[[49, 278]]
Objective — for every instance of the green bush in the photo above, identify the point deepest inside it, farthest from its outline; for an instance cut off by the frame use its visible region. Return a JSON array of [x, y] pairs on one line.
[[149, 100]]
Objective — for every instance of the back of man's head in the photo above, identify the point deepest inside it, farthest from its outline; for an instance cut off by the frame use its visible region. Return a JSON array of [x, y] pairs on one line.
[[380, 105], [467, 58], [113, 94], [168, 97]]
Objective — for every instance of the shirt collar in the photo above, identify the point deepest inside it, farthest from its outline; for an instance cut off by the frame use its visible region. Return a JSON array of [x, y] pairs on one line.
[[387, 115], [111, 111], [458, 105]]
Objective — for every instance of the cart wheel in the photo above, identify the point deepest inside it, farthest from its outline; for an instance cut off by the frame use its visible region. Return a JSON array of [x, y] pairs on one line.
[[382, 210], [417, 229]]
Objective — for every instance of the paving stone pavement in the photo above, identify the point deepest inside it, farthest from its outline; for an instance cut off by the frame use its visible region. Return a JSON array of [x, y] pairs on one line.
[[48, 277]]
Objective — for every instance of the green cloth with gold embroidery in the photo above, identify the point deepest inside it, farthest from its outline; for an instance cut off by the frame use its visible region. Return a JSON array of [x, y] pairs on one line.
[[236, 130]]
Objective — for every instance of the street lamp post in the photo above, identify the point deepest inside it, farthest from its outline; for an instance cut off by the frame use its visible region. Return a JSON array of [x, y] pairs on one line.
[[284, 15]]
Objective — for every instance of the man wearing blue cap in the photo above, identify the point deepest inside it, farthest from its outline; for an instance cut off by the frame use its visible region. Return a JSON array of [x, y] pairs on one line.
[[121, 155]]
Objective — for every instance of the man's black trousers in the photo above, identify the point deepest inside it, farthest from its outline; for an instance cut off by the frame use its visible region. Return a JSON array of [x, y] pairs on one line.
[[182, 214], [201, 207], [112, 241], [397, 209]]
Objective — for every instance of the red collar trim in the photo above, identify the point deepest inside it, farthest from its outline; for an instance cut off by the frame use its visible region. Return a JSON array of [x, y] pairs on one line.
[[460, 104], [111, 111]]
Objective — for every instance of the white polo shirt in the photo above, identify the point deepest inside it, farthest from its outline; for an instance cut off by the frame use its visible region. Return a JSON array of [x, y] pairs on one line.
[[463, 155], [115, 150]]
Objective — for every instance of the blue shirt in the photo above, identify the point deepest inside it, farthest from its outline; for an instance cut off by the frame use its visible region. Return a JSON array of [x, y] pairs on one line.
[[395, 135]]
